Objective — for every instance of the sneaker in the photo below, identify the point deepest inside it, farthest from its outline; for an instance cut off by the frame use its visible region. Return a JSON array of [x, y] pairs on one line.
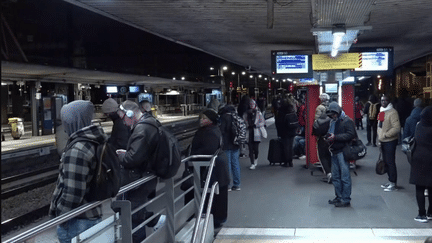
[[391, 188], [421, 219], [342, 205], [252, 167], [302, 157], [369, 144], [374, 145], [429, 216], [160, 222], [243, 156], [235, 188], [334, 201], [386, 185], [229, 189], [426, 193], [329, 178]]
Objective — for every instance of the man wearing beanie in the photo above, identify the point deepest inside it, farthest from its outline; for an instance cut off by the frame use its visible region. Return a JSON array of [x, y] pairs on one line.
[[411, 121], [120, 133], [77, 168]]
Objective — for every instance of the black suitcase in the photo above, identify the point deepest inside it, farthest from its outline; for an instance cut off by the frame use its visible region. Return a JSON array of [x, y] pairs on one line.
[[275, 152]]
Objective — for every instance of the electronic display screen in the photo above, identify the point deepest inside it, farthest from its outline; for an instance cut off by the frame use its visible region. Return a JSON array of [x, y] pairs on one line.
[[292, 64], [111, 89], [331, 88], [133, 89], [374, 61]]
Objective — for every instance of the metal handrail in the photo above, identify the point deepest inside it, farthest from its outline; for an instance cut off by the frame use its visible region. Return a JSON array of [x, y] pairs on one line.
[[209, 206], [204, 194], [73, 213]]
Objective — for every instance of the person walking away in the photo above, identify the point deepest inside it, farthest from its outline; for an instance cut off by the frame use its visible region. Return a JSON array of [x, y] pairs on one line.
[[242, 109], [287, 124], [323, 147], [388, 132], [139, 153], [421, 165], [341, 131], [206, 142], [412, 120], [371, 111], [120, 133], [358, 110], [254, 121], [77, 169], [231, 149]]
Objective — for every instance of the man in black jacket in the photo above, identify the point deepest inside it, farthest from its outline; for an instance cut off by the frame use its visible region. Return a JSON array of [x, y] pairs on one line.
[[120, 133], [139, 153], [341, 131]]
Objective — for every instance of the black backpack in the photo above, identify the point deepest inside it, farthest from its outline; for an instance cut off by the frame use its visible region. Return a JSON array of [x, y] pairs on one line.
[[291, 121], [167, 158], [106, 177]]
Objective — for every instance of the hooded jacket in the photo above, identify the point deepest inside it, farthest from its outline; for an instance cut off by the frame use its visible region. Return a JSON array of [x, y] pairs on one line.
[[77, 167], [411, 122], [344, 129], [226, 127]]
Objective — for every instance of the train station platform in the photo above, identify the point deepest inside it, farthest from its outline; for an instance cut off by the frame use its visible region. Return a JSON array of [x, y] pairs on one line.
[[28, 141], [279, 204]]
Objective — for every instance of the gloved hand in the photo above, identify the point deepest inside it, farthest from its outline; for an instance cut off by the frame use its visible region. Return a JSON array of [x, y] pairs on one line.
[[330, 138]]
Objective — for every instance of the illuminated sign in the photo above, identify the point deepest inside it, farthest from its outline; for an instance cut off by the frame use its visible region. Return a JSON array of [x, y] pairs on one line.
[[291, 64], [374, 61], [343, 61]]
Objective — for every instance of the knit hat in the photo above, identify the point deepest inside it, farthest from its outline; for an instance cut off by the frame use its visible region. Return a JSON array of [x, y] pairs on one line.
[[417, 102], [211, 115], [109, 106], [76, 115]]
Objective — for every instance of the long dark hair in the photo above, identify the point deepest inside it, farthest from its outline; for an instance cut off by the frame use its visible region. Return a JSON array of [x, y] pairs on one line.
[[243, 105]]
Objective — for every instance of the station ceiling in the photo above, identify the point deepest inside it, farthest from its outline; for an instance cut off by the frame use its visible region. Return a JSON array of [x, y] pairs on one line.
[[245, 31]]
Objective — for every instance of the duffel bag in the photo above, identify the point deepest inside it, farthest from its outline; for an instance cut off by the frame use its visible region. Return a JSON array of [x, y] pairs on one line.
[[354, 150]]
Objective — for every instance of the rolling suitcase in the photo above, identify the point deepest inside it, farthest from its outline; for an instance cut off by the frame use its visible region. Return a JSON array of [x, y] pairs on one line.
[[275, 152]]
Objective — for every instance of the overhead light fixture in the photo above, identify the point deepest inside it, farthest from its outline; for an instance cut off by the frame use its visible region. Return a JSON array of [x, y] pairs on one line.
[[338, 32]]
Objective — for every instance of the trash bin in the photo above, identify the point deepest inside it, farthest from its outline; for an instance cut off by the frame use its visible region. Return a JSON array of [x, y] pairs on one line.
[[17, 127]]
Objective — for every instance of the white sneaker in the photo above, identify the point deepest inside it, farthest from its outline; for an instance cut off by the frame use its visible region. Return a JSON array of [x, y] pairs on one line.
[[160, 222], [252, 167], [302, 157]]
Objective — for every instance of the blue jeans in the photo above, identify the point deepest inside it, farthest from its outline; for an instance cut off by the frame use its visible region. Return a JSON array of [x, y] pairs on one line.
[[389, 157], [234, 165], [74, 227], [299, 145], [341, 177]]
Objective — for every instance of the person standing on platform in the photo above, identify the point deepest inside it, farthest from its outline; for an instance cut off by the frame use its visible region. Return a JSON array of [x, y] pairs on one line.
[[77, 168], [140, 151], [411, 121], [421, 165], [254, 121], [242, 109], [207, 141], [403, 106], [120, 133], [323, 147], [388, 133], [358, 112], [341, 131], [287, 126], [262, 103], [371, 110], [231, 149]]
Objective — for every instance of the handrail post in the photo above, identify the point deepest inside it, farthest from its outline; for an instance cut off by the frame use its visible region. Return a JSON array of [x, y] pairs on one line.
[[124, 207], [215, 189], [170, 206]]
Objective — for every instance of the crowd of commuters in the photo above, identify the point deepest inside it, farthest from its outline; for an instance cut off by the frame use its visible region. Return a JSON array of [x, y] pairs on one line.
[[135, 140]]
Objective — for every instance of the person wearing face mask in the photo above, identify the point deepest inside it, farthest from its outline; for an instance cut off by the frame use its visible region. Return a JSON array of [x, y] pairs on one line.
[[388, 134], [120, 133], [341, 131]]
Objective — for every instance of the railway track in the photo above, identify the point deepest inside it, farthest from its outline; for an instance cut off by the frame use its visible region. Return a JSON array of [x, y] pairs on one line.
[[25, 182]]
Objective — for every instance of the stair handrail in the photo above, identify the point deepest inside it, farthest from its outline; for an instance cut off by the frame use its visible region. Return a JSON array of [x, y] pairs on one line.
[[209, 206], [204, 195]]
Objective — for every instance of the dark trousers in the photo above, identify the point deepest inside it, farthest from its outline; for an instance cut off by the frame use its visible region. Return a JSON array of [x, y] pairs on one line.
[[421, 199], [389, 157], [324, 155], [359, 123], [371, 130], [253, 147], [287, 144]]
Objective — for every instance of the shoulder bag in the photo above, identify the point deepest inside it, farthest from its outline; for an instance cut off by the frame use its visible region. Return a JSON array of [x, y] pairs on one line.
[[354, 150]]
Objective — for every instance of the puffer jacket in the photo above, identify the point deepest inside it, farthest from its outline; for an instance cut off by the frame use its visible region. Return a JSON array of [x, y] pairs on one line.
[[344, 129], [77, 168], [141, 145], [389, 131]]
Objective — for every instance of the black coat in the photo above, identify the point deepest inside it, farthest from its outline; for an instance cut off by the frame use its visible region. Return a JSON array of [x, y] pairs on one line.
[[421, 163], [344, 133], [226, 128], [120, 133], [206, 142], [282, 128]]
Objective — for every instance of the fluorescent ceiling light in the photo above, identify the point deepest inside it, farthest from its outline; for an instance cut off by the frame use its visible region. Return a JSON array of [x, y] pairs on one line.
[[172, 92]]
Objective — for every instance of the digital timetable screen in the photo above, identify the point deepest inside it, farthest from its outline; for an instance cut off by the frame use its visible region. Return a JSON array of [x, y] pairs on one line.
[[291, 64], [374, 61]]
